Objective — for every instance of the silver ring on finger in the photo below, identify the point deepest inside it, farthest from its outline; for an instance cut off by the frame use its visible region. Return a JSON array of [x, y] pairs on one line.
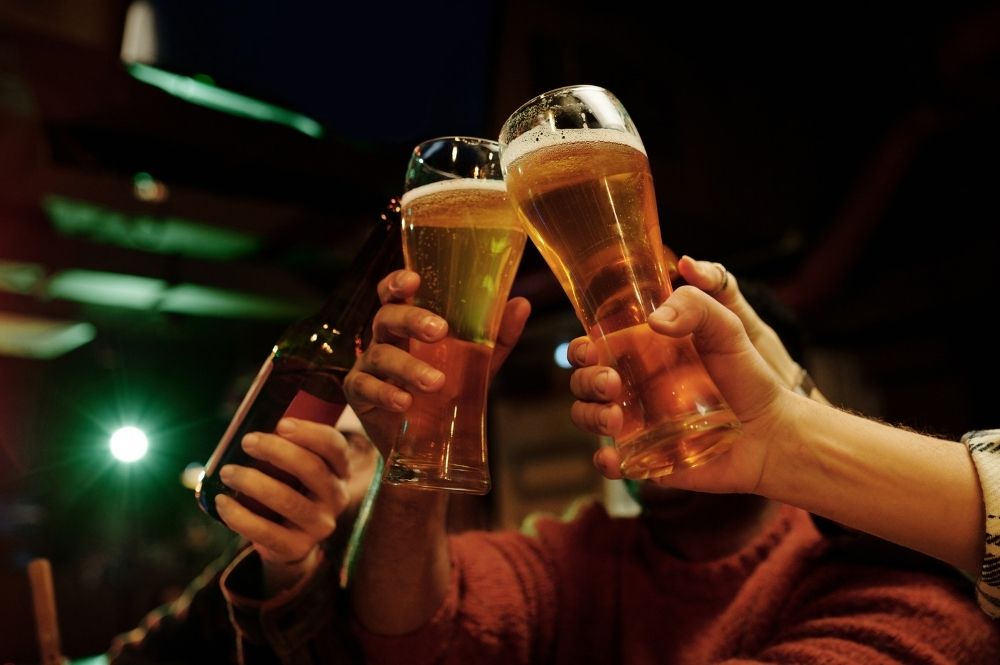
[[724, 284]]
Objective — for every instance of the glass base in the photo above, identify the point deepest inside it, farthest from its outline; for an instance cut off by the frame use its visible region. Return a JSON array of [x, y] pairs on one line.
[[674, 446], [457, 478]]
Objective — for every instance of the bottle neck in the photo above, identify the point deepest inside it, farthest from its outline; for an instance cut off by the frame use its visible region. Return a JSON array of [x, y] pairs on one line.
[[355, 300]]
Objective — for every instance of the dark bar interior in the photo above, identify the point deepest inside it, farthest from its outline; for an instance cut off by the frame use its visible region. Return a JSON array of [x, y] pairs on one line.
[[181, 180]]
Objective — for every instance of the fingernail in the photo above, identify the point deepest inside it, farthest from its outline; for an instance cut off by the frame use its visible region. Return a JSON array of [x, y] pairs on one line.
[[432, 325], [581, 352], [222, 503], [601, 380], [286, 426], [602, 417], [597, 459], [430, 376], [401, 400], [226, 473], [250, 441], [664, 314], [397, 281]]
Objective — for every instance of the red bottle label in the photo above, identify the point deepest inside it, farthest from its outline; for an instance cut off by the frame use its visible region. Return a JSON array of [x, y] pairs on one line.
[[310, 407]]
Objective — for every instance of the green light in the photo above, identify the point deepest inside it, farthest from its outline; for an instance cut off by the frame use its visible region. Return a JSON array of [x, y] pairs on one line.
[[194, 299], [107, 288], [137, 292], [34, 337], [160, 235], [204, 94], [20, 277], [129, 444], [93, 660], [142, 179]]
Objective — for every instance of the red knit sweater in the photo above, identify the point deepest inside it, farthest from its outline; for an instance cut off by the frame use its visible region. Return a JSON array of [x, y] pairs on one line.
[[596, 589]]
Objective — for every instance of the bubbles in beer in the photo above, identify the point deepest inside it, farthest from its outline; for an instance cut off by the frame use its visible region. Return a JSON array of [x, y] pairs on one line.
[[540, 138]]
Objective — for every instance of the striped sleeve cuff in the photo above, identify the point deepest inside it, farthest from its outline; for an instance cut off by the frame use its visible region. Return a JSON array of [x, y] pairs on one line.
[[984, 446]]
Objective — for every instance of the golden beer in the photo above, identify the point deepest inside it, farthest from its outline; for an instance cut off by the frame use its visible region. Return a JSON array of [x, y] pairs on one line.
[[586, 199], [464, 240]]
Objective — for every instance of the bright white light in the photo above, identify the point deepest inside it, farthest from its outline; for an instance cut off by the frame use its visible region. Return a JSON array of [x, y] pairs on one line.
[[139, 35], [129, 444], [192, 474], [561, 355]]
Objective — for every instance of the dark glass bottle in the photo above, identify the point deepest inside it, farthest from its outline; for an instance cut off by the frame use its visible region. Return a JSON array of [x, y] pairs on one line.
[[303, 377]]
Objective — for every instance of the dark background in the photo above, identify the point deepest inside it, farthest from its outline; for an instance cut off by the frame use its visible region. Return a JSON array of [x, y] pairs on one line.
[[844, 157]]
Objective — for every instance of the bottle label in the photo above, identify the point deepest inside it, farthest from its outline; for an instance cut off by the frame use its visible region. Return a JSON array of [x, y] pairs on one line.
[[310, 407]]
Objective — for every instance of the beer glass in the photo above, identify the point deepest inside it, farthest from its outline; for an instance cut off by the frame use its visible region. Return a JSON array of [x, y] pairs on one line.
[[577, 173], [461, 235]]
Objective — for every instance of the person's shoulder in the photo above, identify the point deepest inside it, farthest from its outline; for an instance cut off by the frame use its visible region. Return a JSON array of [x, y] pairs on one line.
[[857, 565], [843, 546], [583, 515]]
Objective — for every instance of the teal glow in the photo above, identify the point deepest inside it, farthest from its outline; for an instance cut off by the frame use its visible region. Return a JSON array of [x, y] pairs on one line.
[[93, 660], [205, 94], [106, 288], [159, 235], [136, 292], [142, 179], [197, 300]]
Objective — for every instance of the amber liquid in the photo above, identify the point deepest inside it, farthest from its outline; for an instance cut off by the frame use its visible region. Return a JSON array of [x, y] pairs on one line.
[[590, 208], [442, 444], [464, 240]]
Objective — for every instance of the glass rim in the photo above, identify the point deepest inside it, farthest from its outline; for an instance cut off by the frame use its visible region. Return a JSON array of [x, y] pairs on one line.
[[470, 140], [549, 93], [424, 166]]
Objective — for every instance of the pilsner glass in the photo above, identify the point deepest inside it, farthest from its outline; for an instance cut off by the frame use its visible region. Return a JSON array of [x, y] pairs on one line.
[[461, 235], [577, 173]]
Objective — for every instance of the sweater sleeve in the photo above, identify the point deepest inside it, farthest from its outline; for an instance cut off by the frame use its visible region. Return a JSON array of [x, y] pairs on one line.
[[306, 624], [499, 607], [984, 446], [907, 611], [194, 628]]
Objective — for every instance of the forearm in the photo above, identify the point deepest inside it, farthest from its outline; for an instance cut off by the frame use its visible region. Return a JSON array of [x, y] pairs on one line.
[[911, 489], [403, 570]]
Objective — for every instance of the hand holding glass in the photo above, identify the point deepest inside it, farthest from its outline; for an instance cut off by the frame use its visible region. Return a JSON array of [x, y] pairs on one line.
[[578, 175], [461, 235]]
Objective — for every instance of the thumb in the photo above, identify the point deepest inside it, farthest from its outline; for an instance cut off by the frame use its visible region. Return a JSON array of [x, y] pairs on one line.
[[738, 370], [515, 315]]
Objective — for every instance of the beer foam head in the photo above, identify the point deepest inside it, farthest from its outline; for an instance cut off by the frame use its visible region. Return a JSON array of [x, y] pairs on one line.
[[545, 137], [455, 186]]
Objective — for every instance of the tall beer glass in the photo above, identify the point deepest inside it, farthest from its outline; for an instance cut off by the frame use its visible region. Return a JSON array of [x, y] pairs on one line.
[[461, 234], [578, 175]]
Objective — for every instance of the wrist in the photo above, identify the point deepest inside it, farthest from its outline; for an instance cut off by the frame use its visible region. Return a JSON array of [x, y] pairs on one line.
[[281, 575], [788, 442]]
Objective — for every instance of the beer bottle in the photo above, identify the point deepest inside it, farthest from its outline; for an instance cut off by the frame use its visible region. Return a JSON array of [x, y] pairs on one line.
[[303, 377]]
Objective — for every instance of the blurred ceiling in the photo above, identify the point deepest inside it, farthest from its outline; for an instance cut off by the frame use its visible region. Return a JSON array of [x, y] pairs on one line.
[[144, 202], [220, 185]]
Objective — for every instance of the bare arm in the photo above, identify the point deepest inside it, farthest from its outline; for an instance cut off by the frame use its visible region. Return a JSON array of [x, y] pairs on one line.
[[925, 491], [403, 571], [915, 490], [911, 489]]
